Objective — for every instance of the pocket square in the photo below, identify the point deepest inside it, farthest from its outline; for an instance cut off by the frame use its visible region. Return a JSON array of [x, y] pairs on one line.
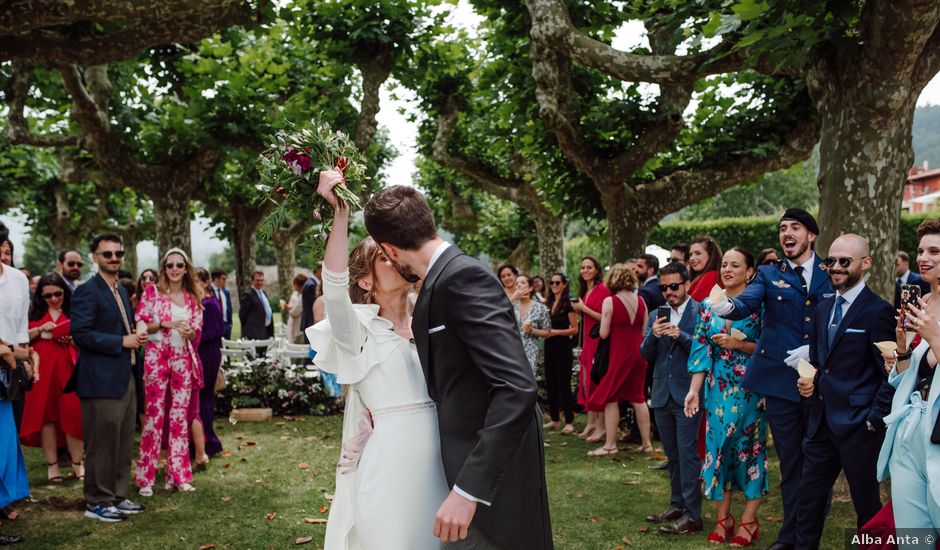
[[854, 331], [437, 329]]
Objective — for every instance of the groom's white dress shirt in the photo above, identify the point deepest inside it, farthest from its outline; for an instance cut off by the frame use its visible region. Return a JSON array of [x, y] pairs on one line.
[[434, 257]]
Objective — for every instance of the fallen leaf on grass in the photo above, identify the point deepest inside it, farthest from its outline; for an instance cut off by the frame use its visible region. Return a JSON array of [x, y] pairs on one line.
[[773, 519], [303, 540], [226, 499], [240, 436], [563, 444], [644, 529], [579, 495], [315, 521], [243, 459], [250, 443], [324, 508], [657, 457], [627, 541], [594, 519], [285, 437], [303, 466], [206, 546], [226, 453], [328, 496], [271, 515], [226, 465]]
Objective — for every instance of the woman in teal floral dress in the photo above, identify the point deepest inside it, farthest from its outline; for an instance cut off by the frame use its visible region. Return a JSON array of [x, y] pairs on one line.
[[736, 432]]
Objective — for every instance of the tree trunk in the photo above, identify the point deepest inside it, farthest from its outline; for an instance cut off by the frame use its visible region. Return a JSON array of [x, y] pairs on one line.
[[628, 223], [171, 213], [244, 239], [551, 234], [864, 156], [130, 251], [285, 244]]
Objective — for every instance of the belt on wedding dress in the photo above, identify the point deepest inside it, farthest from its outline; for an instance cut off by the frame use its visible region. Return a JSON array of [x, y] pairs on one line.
[[401, 409]]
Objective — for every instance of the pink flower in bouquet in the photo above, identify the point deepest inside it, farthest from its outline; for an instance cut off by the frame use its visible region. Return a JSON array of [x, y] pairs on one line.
[[300, 162]]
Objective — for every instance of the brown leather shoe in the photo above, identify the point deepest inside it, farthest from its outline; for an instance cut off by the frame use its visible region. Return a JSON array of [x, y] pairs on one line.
[[669, 514], [682, 526]]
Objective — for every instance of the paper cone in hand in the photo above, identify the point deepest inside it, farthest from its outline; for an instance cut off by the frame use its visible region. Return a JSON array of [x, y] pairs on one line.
[[910, 338], [716, 295], [887, 347], [738, 335], [806, 369]]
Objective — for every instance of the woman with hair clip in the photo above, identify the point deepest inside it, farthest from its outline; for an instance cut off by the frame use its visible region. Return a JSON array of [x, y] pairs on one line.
[[559, 355], [53, 418], [736, 432], [704, 263], [591, 294], [172, 309], [391, 445]]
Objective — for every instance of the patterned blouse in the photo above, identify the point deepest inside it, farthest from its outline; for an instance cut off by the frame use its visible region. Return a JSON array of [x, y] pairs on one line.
[[539, 317]]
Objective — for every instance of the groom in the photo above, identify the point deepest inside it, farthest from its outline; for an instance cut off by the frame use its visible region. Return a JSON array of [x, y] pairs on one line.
[[478, 374]]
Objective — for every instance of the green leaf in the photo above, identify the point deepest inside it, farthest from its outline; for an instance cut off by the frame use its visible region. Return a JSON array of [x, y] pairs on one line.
[[750, 9]]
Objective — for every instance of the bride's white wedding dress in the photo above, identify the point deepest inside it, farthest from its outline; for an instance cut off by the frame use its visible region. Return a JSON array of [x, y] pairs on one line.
[[390, 500]]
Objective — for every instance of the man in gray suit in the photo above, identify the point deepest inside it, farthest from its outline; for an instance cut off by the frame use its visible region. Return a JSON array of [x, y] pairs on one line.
[[667, 344]]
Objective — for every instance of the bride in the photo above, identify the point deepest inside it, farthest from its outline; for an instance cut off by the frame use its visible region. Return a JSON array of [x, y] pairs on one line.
[[390, 480]]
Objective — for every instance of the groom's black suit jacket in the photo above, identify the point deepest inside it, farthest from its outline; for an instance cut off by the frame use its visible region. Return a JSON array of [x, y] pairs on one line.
[[478, 374]]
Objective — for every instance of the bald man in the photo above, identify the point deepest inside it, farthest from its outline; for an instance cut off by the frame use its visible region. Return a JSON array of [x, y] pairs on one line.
[[845, 428]]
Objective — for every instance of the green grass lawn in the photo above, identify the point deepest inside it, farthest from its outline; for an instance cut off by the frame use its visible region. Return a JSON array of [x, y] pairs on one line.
[[276, 474]]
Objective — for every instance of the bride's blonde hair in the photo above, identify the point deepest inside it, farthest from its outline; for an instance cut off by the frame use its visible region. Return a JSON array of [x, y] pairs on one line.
[[361, 265]]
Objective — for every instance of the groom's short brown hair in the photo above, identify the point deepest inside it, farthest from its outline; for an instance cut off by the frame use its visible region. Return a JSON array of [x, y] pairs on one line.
[[400, 216]]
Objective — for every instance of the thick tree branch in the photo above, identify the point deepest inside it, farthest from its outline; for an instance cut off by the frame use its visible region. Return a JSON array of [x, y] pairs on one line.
[[163, 23], [375, 71], [17, 131], [684, 187], [894, 35], [928, 65]]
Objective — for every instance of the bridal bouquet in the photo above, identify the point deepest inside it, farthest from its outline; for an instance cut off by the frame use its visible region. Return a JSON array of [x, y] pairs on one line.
[[290, 172]]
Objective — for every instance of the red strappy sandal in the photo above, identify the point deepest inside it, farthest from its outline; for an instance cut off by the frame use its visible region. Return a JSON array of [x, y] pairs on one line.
[[741, 542], [714, 537]]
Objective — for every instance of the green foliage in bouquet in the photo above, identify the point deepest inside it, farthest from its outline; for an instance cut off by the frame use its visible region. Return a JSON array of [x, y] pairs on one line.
[[290, 172]]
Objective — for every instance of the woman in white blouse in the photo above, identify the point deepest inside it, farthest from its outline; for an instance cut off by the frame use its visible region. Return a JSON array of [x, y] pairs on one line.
[[390, 479]]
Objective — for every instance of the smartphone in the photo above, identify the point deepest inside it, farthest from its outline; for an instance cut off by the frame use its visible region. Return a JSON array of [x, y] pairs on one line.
[[663, 312], [909, 296]]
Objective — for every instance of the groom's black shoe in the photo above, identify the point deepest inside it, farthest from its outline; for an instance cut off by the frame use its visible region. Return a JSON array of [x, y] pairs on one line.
[[669, 514], [682, 526], [780, 546]]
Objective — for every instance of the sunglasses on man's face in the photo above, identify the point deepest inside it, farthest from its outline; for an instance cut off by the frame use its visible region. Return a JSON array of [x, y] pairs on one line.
[[177, 265], [108, 254], [51, 295], [673, 287], [680, 260], [843, 262], [74, 264]]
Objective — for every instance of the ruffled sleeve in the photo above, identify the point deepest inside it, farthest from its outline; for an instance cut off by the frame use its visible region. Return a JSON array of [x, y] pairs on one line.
[[353, 338]]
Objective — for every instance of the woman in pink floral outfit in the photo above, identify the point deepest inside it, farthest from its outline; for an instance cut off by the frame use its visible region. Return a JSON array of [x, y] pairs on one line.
[[172, 309]]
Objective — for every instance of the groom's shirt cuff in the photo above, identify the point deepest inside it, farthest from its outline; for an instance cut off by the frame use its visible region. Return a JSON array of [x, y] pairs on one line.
[[468, 496]]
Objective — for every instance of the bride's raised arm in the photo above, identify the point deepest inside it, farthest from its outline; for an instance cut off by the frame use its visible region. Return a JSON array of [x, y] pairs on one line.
[[345, 325]]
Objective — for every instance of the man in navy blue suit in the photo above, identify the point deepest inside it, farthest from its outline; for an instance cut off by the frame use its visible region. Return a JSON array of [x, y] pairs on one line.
[[788, 292], [667, 344], [845, 429], [906, 277], [646, 267], [102, 326]]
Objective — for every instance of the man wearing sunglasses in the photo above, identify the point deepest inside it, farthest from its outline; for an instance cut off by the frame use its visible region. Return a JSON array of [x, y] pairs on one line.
[[102, 328], [788, 292], [845, 429], [69, 267]]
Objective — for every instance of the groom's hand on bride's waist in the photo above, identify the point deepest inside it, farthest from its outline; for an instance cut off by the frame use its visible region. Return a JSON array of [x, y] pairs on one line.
[[453, 518]]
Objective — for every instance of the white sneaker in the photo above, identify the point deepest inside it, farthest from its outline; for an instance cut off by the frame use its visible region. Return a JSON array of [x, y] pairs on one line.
[[146, 491], [186, 488]]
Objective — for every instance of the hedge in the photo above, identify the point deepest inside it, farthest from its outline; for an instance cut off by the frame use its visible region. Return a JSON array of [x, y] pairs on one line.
[[757, 233]]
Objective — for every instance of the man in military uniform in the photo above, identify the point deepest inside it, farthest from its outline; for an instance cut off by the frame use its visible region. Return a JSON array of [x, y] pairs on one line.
[[788, 291]]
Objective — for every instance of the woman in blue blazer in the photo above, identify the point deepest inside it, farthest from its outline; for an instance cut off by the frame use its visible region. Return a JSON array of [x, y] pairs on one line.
[[910, 455]]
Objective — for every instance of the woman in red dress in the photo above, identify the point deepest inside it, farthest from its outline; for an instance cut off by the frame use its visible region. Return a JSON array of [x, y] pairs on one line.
[[591, 295], [704, 263], [623, 315], [52, 419]]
